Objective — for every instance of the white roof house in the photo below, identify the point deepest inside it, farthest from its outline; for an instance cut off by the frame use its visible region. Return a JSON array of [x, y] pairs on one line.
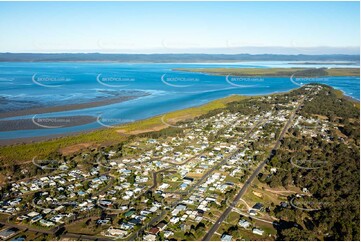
[[257, 231], [244, 223]]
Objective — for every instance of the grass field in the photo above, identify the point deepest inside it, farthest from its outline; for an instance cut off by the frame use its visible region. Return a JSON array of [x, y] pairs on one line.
[[80, 227]]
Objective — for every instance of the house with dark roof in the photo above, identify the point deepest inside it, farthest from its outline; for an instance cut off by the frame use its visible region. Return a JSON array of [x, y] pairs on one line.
[[161, 226], [154, 231], [257, 206], [135, 221]]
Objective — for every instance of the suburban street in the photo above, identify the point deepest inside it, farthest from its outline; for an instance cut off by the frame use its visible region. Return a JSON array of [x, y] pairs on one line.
[[159, 217], [243, 190]]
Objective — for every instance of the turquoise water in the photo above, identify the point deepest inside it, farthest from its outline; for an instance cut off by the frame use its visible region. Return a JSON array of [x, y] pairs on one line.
[[24, 85]]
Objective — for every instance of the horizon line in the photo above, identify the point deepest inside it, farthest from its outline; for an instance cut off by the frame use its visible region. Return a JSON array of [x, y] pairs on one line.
[[171, 53]]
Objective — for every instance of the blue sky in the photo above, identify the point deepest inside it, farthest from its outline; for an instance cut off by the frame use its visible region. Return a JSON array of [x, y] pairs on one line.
[[146, 27]]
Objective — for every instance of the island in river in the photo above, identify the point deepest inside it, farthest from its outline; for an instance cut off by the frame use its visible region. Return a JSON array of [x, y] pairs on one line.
[[276, 72]]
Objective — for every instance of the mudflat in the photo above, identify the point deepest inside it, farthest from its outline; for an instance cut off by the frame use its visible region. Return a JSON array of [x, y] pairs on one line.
[[69, 107]]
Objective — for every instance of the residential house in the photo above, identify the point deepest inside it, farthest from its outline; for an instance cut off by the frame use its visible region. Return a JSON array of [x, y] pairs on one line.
[[257, 231], [226, 237]]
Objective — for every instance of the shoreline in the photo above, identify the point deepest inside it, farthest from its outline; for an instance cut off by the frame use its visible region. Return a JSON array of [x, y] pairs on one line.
[[22, 149], [69, 107], [35, 139], [275, 72], [119, 128], [45, 123]]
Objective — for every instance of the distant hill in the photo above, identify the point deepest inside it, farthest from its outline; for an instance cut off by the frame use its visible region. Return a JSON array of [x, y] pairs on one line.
[[168, 58]]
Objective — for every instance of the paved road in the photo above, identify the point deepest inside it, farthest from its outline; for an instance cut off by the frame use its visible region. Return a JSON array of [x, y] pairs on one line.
[[85, 237], [253, 217], [154, 174], [225, 214], [200, 181], [110, 183], [160, 216], [37, 230]]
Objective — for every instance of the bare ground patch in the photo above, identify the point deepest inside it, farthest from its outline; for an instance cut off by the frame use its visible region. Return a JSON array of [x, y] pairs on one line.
[[140, 131], [74, 148]]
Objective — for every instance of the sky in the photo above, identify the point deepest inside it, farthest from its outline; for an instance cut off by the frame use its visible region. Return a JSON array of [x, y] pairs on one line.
[[180, 27]]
